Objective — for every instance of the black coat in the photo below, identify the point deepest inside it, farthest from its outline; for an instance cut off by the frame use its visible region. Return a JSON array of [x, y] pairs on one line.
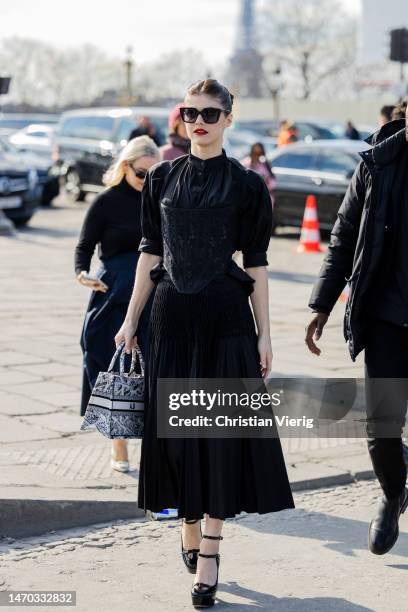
[[357, 237]]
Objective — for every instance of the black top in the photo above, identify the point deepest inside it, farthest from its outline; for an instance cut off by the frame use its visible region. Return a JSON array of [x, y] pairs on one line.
[[390, 301], [113, 222], [221, 183]]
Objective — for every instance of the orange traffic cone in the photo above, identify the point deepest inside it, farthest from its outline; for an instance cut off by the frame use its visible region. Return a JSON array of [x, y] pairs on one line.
[[344, 294], [310, 233]]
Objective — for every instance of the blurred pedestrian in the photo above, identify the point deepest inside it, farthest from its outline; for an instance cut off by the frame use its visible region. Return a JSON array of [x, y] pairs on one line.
[[282, 132], [288, 134], [179, 143], [351, 131], [399, 111], [197, 211], [258, 162], [385, 114], [113, 222], [293, 133], [145, 128]]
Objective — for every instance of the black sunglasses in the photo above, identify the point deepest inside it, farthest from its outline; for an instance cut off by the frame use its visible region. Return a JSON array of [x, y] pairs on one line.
[[209, 115], [139, 173]]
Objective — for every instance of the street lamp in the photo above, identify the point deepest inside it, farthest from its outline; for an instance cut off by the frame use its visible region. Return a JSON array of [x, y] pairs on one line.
[[275, 85], [129, 70]]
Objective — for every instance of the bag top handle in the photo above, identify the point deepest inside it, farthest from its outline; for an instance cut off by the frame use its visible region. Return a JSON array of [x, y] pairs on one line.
[[136, 353]]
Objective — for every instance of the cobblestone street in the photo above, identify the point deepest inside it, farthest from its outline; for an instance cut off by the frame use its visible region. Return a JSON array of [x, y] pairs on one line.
[[313, 558]]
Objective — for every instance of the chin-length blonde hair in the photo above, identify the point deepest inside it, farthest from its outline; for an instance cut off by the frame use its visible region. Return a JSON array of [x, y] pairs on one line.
[[141, 146]]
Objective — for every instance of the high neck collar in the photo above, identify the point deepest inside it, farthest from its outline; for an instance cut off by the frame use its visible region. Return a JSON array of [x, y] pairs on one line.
[[205, 164], [127, 189]]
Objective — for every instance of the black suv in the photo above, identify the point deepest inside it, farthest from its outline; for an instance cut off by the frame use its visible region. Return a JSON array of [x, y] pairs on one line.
[[20, 189], [88, 139]]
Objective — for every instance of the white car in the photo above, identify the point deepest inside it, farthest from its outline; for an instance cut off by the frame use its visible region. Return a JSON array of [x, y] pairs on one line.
[[238, 143], [37, 138]]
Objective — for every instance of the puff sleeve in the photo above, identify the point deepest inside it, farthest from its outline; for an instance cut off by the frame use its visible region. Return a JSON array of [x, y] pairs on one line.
[[151, 241], [255, 226]]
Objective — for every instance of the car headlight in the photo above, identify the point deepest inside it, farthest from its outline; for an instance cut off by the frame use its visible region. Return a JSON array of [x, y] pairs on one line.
[[32, 178]]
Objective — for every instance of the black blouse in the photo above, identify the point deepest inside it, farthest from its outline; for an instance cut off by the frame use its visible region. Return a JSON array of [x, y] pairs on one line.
[[219, 182], [113, 223]]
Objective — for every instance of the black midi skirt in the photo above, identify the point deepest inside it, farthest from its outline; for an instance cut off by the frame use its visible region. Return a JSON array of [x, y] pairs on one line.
[[208, 334]]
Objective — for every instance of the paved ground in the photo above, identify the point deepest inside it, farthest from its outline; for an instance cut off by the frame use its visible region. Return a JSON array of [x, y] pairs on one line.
[[311, 559]]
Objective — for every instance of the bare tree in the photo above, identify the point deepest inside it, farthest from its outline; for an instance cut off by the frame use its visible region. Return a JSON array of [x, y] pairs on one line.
[[25, 60], [171, 74], [55, 77], [312, 40], [92, 72]]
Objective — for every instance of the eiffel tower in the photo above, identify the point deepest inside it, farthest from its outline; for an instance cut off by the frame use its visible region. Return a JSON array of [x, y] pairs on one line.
[[245, 75]]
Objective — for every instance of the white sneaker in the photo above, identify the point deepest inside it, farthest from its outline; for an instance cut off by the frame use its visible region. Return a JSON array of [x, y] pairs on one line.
[[119, 466]]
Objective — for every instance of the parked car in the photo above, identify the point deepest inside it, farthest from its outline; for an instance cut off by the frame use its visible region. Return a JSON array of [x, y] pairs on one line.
[[313, 131], [48, 176], [237, 143], [20, 190], [308, 130], [322, 168], [262, 127], [338, 128], [16, 121], [88, 139], [36, 138]]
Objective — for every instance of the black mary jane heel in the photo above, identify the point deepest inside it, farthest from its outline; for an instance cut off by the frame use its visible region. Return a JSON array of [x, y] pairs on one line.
[[202, 594], [190, 556]]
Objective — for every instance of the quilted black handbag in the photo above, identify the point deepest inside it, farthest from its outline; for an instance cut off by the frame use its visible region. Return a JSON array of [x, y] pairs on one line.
[[116, 406]]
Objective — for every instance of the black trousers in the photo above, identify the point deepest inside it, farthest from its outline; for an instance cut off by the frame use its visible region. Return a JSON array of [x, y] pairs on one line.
[[386, 370]]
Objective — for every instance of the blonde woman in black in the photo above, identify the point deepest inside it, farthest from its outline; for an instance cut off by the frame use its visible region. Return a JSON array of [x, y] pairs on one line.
[[112, 223], [197, 210]]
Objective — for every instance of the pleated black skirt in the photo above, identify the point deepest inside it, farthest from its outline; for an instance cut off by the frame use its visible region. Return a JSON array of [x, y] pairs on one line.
[[208, 334]]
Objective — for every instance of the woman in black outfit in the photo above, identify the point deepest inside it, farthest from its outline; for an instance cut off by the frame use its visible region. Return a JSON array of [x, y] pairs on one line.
[[197, 210], [113, 223]]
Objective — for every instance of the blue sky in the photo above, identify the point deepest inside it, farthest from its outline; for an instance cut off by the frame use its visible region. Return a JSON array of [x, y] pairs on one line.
[[152, 27]]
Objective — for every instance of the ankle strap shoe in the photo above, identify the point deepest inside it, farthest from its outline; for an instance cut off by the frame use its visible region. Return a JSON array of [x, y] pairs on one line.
[[202, 594], [190, 556]]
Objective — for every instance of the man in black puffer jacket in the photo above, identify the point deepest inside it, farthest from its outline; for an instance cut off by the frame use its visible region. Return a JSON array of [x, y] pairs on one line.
[[369, 249]]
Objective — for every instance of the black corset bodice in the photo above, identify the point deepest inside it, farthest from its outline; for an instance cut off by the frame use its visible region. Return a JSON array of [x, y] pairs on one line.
[[198, 244], [197, 213]]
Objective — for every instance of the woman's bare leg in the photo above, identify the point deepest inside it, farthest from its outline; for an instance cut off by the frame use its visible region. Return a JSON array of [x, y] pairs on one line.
[[191, 535], [207, 568], [120, 449]]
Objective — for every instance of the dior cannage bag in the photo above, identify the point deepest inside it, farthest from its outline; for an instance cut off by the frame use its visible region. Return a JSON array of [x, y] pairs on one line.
[[116, 406]]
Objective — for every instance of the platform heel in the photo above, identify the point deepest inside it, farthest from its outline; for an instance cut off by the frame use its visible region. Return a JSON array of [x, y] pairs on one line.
[[202, 594]]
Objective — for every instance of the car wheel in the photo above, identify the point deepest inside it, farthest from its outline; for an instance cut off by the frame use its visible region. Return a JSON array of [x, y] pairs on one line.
[[73, 186], [51, 191], [22, 220], [47, 199]]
